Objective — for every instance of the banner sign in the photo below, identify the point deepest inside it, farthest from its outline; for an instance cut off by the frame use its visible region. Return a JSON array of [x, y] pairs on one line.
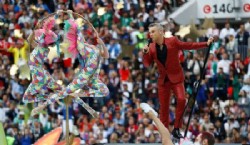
[[223, 8]]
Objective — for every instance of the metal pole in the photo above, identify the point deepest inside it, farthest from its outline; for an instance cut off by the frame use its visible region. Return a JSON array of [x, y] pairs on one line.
[[67, 101], [192, 98]]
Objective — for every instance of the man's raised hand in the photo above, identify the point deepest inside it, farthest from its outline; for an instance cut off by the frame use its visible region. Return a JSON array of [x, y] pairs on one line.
[[146, 49], [210, 40]]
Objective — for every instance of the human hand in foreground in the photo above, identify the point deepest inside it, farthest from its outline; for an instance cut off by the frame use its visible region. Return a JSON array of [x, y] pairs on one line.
[[99, 41]]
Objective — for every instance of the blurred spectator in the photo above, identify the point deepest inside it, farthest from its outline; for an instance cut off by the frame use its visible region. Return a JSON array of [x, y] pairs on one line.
[[244, 102], [230, 125], [220, 132], [205, 122], [213, 32], [159, 12], [226, 32], [242, 38], [224, 63], [231, 46], [151, 18], [114, 51], [27, 137]]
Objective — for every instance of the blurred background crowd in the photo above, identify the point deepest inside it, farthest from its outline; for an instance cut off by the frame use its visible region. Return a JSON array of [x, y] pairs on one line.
[[223, 101]]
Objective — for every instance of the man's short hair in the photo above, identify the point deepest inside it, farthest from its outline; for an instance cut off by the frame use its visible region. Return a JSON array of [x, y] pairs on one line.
[[158, 25], [210, 138]]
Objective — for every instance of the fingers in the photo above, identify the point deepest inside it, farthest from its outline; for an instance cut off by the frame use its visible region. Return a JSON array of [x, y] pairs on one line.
[[211, 39], [69, 11], [59, 11], [99, 40], [146, 49]]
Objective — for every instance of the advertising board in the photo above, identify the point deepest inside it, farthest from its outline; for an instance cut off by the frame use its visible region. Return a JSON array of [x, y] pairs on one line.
[[223, 8]]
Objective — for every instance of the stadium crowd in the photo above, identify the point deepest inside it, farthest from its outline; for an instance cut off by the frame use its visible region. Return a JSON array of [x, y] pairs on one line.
[[223, 101]]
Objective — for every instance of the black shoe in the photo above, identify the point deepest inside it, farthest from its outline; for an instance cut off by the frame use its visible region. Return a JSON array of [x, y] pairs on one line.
[[176, 133]]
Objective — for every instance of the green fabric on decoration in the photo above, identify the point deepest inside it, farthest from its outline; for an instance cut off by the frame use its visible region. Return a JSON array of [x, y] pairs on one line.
[[66, 26]]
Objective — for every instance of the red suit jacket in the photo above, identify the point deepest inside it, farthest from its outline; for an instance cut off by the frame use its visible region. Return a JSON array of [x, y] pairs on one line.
[[172, 68], [233, 65]]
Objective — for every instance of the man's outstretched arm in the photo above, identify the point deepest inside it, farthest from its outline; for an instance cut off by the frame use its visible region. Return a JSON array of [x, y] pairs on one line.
[[192, 45], [152, 114]]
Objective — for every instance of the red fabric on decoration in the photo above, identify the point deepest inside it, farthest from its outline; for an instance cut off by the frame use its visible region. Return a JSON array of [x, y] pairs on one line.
[[67, 62]]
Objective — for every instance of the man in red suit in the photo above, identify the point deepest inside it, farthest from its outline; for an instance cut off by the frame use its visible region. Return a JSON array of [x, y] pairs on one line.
[[164, 52]]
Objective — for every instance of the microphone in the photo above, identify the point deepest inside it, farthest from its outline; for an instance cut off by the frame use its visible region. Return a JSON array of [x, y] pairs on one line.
[[149, 41]]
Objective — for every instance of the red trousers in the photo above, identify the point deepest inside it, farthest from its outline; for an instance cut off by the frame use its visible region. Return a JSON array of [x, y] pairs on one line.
[[164, 92]]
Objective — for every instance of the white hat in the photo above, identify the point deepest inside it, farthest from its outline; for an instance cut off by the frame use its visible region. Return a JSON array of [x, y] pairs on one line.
[[18, 34], [21, 113], [139, 15], [159, 4], [101, 11], [11, 26]]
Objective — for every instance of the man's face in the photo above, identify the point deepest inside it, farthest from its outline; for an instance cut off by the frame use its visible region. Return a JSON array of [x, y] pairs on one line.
[[204, 142], [141, 29], [220, 70], [242, 28], [231, 38], [154, 33], [151, 12], [237, 56]]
